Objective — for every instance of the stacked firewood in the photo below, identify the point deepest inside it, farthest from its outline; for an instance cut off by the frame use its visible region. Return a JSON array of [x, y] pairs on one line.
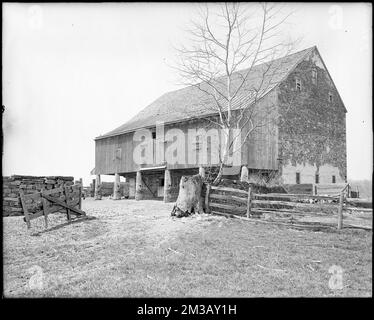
[[28, 184]]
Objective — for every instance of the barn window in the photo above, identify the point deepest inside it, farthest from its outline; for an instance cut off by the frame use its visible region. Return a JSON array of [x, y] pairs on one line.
[[154, 135], [333, 179], [330, 97], [317, 178], [298, 84], [314, 76], [297, 177], [197, 146]]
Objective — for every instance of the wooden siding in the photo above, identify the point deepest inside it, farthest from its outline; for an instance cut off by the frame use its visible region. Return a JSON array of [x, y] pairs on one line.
[[261, 149], [259, 152]]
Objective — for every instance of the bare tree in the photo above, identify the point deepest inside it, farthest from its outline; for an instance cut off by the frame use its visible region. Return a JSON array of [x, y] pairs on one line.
[[227, 45]]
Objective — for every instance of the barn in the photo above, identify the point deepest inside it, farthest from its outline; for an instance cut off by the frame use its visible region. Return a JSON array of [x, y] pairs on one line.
[[302, 141]]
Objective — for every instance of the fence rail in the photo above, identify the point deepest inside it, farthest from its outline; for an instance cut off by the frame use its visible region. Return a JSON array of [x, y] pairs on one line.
[[280, 206]]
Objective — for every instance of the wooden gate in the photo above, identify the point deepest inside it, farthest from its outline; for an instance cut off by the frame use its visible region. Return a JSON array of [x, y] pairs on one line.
[[66, 199]]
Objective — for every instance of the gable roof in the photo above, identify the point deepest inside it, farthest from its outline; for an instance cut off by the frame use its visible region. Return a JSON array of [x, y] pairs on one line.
[[190, 102]]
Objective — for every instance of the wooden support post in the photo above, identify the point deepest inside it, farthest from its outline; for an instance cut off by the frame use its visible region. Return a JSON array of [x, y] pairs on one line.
[[68, 215], [93, 187], [98, 188], [340, 211], [138, 186], [117, 187], [207, 209], [25, 211], [244, 174], [167, 186], [249, 202], [202, 172], [45, 212], [80, 197]]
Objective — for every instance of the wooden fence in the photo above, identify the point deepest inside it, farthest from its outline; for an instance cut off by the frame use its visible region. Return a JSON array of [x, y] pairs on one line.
[[276, 207], [67, 199]]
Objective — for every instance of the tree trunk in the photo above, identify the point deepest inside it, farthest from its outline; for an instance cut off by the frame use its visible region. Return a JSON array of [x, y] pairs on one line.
[[117, 187], [189, 197], [217, 180]]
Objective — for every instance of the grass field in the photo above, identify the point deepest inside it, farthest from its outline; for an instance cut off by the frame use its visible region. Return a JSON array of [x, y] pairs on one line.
[[135, 249]]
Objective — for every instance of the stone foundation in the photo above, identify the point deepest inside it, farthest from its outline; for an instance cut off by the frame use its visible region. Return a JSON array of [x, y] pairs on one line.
[[308, 174]]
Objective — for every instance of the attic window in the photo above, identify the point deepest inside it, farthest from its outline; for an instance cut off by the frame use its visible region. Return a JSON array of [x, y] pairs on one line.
[[196, 146], [317, 178], [314, 76], [330, 97], [298, 84]]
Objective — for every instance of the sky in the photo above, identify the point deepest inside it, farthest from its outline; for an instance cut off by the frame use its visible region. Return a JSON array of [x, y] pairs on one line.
[[72, 72]]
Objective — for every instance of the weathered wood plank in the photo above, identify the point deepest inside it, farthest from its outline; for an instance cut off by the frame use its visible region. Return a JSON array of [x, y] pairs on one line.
[[67, 202], [35, 215], [296, 204], [45, 212], [77, 211], [80, 195], [229, 190], [228, 207], [24, 207], [228, 197], [249, 202], [293, 196], [52, 191], [291, 211], [340, 211], [32, 196], [73, 202], [306, 226], [207, 194]]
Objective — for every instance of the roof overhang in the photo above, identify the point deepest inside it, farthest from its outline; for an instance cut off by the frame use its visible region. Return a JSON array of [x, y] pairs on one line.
[[153, 168]]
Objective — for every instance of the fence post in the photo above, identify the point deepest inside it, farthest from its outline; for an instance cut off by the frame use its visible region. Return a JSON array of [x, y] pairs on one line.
[[25, 211], [80, 196], [249, 202], [207, 209], [340, 211], [45, 210], [66, 193]]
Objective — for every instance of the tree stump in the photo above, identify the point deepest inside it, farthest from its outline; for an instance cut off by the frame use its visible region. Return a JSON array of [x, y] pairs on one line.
[[189, 198]]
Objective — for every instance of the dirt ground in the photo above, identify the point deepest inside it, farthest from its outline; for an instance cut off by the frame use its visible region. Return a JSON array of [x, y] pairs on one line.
[[133, 249]]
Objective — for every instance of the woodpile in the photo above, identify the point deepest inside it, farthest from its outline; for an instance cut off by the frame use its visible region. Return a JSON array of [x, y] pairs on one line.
[[28, 184]]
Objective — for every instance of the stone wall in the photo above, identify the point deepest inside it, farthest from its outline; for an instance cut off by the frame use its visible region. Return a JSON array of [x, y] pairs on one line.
[[29, 184], [312, 129]]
